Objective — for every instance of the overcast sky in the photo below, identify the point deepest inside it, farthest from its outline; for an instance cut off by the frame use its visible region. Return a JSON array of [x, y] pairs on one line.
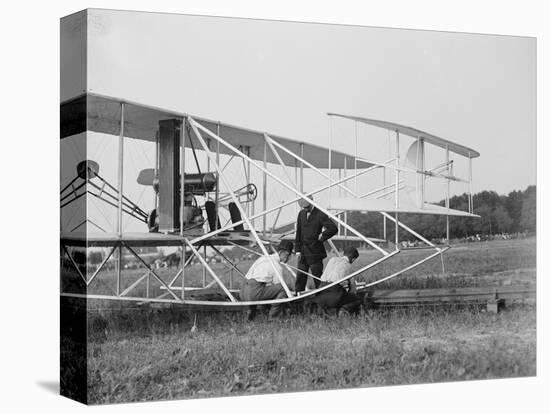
[[283, 77]]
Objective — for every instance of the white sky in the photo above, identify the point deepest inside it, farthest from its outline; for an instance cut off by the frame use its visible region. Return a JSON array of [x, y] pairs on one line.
[[282, 77]]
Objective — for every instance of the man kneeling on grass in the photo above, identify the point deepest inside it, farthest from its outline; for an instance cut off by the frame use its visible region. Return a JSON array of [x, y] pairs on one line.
[[262, 282], [337, 297]]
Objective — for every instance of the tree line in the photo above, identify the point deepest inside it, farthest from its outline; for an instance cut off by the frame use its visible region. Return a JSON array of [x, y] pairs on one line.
[[509, 214]]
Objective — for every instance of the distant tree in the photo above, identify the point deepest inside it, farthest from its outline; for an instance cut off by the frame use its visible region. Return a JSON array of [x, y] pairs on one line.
[[457, 200], [501, 219], [370, 224], [532, 189], [79, 257], [484, 223], [174, 259], [497, 213], [95, 257], [528, 220], [489, 198], [233, 253], [475, 225], [514, 204]]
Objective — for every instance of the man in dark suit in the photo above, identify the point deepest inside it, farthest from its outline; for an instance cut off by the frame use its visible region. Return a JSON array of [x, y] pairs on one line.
[[310, 239]]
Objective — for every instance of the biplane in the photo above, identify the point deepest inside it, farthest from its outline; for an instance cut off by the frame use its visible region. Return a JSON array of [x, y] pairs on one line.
[[203, 209]]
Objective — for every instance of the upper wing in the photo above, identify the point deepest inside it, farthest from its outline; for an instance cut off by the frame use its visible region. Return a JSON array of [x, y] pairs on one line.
[[102, 114], [415, 133]]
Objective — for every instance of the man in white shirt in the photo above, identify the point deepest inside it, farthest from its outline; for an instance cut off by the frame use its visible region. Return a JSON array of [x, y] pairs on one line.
[[262, 280], [337, 297]]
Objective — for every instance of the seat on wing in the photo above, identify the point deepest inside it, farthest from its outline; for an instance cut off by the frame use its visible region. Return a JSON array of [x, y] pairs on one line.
[[213, 218], [235, 216]]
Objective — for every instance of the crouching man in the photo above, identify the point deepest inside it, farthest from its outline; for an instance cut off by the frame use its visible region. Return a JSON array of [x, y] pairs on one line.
[[338, 297], [262, 282]]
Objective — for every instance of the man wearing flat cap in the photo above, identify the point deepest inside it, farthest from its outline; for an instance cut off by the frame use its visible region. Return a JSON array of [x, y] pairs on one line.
[[262, 280], [313, 228], [342, 296]]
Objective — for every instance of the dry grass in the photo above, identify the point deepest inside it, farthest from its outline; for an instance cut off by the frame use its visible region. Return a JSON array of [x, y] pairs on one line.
[[227, 356], [147, 354], [473, 264]]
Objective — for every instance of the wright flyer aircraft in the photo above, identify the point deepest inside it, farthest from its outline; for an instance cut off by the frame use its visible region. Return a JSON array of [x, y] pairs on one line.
[[220, 193]]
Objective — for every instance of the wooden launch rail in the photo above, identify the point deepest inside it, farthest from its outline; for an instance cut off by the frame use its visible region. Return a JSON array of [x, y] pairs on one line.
[[494, 297]]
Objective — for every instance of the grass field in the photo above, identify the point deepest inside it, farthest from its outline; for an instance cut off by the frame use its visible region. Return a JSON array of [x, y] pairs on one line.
[[226, 356], [465, 265], [145, 354]]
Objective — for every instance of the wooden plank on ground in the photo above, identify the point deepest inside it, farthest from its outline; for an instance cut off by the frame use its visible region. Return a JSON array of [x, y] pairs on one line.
[[450, 295]]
